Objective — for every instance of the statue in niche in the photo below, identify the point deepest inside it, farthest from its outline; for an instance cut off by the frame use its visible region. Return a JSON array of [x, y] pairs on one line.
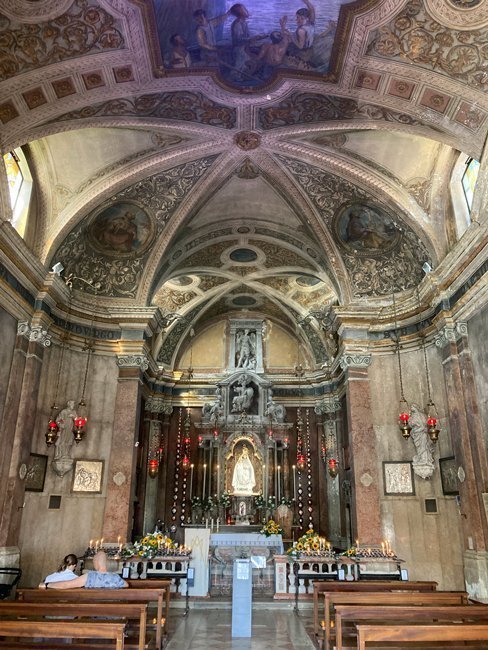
[[246, 349], [243, 478], [423, 462], [276, 412], [213, 411], [244, 394], [62, 462]]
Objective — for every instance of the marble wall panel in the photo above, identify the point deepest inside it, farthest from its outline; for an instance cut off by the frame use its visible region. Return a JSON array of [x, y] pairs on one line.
[[477, 328]]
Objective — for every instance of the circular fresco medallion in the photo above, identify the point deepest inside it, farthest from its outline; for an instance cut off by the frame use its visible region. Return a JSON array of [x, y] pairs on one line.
[[122, 229], [243, 255], [244, 301], [365, 230], [308, 281]]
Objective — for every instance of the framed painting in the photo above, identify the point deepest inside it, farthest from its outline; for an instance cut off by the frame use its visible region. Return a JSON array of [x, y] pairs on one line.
[[449, 477], [398, 478], [36, 473], [88, 476]]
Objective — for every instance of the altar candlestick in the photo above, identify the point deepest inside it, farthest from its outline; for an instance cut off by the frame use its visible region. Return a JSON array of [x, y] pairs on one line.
[[218, 479], [294, 468], [191, 479], [278, 469], [204, 480], [211, 525], [218, 524], [265, 482]]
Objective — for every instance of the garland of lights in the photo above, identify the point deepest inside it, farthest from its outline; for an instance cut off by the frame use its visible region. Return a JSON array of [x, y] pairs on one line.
[[309, 470], [174, 509], [185, 463], [300, 465]]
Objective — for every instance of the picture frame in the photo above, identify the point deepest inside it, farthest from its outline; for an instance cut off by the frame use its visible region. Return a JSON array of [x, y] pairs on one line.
[[398, 478], [449, 476], [87, 476], [36, 473]]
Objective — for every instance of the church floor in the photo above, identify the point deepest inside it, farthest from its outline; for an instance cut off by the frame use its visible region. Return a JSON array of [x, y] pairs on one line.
[[211, 628]]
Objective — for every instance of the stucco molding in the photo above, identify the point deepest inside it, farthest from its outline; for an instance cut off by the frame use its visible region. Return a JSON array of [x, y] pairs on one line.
[[361, 361], [34, 334], [133, 361], [451, 334], [158, 405]]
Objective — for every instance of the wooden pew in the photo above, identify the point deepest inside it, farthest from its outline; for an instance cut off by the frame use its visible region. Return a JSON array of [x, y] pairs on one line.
[[371, 585], [405, 614], [387, 598], [144, 596], [63, 629], [154, 583], [84, 610], [418, 634]]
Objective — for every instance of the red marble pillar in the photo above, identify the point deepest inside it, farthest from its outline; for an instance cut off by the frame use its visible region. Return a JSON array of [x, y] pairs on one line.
[[18, 424], [365, 481], [119, 505], [466, 433]]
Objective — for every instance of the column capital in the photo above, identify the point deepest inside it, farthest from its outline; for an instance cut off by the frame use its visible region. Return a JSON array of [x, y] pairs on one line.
[[133, 361], [348, 360], [451, 334], [36, 333], [158, 405], [328, 406]]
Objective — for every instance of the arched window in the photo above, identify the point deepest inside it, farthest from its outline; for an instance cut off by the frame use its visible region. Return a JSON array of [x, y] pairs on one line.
[[20, 186], [463, 182]]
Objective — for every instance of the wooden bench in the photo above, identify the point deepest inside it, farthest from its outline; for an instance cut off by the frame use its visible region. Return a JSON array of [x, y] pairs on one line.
[[143, 595], [63, 629], [371, 585], [422, 634], [127, 611], [405, 614], [387, 598]]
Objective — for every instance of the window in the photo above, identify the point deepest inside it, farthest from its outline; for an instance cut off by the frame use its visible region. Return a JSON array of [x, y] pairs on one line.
[[20, 187], [469, 179]]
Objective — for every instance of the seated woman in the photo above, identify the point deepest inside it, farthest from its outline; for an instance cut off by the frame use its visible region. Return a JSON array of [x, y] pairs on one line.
[[66, 570], [98, 579]]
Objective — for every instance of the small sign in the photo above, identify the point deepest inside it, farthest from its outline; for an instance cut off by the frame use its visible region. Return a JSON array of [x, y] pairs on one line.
[[190, 576], [126, 572], [404, 574], [341, 575], [242, 570]]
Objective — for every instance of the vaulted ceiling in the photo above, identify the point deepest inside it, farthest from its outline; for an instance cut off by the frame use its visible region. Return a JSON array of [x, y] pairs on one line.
[[274, 191]]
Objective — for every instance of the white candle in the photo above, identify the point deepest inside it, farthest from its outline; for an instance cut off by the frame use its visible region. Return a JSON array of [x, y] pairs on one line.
[[211, 524], [279, 486], [91, 543], [218, 523], [191, 479], [204, 480], [265, 482], [218, 479], [294, 467]]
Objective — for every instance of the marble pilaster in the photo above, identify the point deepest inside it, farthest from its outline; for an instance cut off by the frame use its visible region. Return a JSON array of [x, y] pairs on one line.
[[17, 424], [122, 466], [364, 457], [466, 435]]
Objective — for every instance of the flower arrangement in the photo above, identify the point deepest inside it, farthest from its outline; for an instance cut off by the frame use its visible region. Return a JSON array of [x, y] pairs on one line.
[[259, 501], [310, 544], [207, 504], [285, 501], [196, 502], [271, 528], [153, 544], [224, 500], [271, 504], [351, 552]]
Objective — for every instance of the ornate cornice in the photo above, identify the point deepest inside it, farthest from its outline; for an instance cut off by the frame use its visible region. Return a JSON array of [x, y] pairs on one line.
[[451, 334], [327, 406], [35, 334], [133, 361]]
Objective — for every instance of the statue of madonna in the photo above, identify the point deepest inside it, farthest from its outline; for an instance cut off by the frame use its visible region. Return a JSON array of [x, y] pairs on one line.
[[243, 479]]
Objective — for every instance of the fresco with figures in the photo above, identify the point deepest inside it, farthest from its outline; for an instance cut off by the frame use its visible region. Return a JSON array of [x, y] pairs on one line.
[[247, 42]]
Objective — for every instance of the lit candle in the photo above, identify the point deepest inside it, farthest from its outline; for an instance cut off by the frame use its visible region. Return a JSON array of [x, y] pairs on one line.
[[278, 469], [294, 467], [218, 479], [218, 523], [118, 539], [101, 542], [382, 548], [357, 545], [91, 544], [265, 483], [204, 480], [96, 545], [191, 479]]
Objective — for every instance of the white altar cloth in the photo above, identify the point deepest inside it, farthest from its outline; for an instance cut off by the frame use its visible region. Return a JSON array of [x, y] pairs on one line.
[[247, 539]]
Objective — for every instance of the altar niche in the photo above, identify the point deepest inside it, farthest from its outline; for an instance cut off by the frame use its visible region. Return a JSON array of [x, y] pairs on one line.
[[243, 477]]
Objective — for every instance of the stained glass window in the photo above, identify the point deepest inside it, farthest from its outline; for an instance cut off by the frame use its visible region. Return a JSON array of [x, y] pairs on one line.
[[20, 186]]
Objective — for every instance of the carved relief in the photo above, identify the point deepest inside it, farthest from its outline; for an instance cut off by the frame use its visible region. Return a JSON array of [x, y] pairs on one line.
[[414, 37], [85, 28], [118, 265], [420, 190], [307, 108], [184, 105]]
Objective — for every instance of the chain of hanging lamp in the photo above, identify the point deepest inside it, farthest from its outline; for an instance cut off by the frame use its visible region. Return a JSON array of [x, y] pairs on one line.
[[404, 408], [432, 419]]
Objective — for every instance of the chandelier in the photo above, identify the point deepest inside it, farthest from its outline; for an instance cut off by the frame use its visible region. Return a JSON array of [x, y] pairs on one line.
[[432, 417]]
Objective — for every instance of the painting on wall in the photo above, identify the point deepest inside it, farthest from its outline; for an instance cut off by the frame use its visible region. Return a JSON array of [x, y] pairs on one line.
[[121, 229], [247, 42], [398, 478], [36, 473], [365, 230], [87, 476], [449, 475]]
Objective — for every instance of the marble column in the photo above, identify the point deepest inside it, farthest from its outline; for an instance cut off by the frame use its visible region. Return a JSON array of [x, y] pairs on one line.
[[123, 457], [18, 424], [364, 458]]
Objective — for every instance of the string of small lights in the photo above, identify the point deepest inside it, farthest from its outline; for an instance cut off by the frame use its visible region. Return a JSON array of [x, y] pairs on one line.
[[309, 469], [176, 499]]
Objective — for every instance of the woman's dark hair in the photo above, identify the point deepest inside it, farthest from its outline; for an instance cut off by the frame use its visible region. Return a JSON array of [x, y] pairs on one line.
[[69, 560]]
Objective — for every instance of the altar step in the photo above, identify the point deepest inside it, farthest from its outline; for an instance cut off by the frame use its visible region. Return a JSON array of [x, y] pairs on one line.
[[218, 602]]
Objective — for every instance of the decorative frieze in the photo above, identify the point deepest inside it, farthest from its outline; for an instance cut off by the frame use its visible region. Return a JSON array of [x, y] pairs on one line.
[[158, 405], [327, 406], [451, 334], [133, 361], [36, 334], [355, 361]]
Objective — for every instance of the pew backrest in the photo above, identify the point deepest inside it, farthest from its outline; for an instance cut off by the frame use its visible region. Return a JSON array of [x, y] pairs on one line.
[[406, 634]]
